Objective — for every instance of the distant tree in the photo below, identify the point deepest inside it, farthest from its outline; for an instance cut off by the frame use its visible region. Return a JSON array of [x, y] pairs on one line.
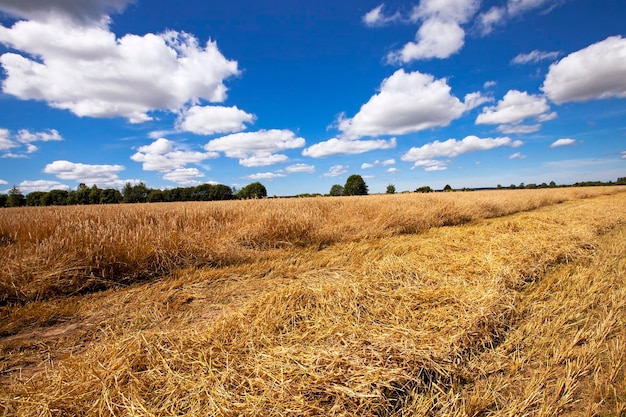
[[355, 185], [82, 194], [336, 190], [552, 184], [110, 196], [425, 189], [16, 198], [3, 200], [221, 192], [135, 193], [94, 195], [36, 198], [499, 186], [155, 196], [621, 181], [58, 197], [521, 185], [391, 189], [254, 190], [447, 188]]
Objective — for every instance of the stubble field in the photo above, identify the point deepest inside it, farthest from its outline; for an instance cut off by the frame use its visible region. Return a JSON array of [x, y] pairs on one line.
[[498, 303]]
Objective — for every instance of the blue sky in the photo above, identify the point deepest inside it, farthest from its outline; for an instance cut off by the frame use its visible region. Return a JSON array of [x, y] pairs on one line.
[[301, 94]]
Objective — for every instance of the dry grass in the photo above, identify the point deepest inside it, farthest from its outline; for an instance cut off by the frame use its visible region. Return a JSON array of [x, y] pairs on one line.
[[517, 315]]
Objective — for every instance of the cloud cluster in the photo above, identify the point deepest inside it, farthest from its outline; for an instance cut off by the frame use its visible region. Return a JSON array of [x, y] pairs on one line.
[[291, 169], [259, 148], [22, 144], [166, 156], [499, 15], [376, 17], [406, 103], [534, 57], [367, 165], [344, 146], [336, 171], [101, 175], [513, 109], [424, 156], [81, 11], [85, 69], [563, 142], [595, 72], [41, 185], [440, 34], [209, 120]]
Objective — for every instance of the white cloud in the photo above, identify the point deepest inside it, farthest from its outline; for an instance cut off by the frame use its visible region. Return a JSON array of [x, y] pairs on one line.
[[498, 16], [514, 108], [434, 39], [595, 72], [266, 175], [298, 168], [424, 155], [336, 146], [563, 142], [534, 57], [78, 10], [491, 18], [256, 148], [440, 34], [87, 70], [518, 129], [517, 155], [623, 155], [24, 141], [164, 155], [473, 100], [208, 120], [101, 175], [336, 170], [376, 17], [393, 170], [3, 182], [406, 103], [41, 185], [377, 163], [489, 84], [430, 165], [184, 176]]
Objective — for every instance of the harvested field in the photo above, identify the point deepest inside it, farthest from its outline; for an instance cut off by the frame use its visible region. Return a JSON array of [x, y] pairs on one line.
[[498, 303]]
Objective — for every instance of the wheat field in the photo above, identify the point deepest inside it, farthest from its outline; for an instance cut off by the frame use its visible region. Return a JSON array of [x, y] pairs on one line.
[[503, 303]]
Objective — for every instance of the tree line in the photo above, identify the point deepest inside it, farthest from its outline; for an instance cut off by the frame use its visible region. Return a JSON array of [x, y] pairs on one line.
[[137, 193], [140, 193]]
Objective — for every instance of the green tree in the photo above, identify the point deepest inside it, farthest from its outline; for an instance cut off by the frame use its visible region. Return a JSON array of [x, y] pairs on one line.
[[16, 198], [355, 185], [424, 189], [3, 200], [391, 189], [94, 195], [135, 193], [36, 198], [254, 190], [221, 192], [447, 188], [82, 194], [110, 196], [155, 196], [336, 190]]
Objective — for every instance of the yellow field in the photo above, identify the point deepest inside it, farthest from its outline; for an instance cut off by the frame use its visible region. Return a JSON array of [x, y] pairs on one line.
[[499, 303]]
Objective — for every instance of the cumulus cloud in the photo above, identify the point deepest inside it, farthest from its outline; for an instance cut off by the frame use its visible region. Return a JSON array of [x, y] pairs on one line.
[[497, 16], [534, 57], [384, 163], [3, 182], [563, 142], [184, 176], [266, 175], [376, 17], [440, 34], [300, 168], [101, 175], [164, 155], [87, 70], [424, 156], [519, 129], [406, 103], [82, 11], [393, 170], [595, 72], [257, 148], [21, 144], [41, 185], [208, 120], [336, 170], [517, 155], [336, 146], [515, 107]]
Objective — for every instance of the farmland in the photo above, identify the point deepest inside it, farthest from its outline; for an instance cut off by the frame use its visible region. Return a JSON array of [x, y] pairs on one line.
[[480, 303]]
